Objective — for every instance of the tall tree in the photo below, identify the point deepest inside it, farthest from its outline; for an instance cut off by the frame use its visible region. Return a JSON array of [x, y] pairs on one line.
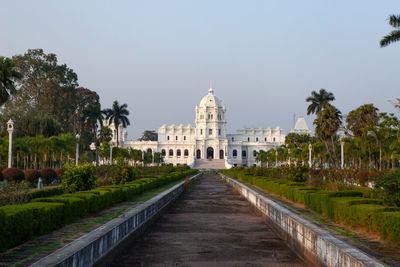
[[318, 101], [394, 36], [93, 116], [119, 116], [149, 136], [363, 117], [8, 76], [327, 124]]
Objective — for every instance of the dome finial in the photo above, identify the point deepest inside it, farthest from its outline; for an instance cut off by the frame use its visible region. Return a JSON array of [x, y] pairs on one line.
[[210, 91]]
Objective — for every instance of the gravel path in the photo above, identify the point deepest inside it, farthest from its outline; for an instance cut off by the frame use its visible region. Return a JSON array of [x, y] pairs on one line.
[[209, 226]]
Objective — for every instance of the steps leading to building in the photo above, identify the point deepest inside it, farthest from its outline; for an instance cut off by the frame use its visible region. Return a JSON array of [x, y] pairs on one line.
[[205, 164]]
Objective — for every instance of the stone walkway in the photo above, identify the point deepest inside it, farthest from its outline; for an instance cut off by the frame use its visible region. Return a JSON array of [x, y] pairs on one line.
[[210, 226]]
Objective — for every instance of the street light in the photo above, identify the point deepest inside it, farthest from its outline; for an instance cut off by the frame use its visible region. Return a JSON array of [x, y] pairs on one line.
[[309, 155], [342, 152], [77, 150], [111, 147], [276, 158], [10, 129], [289, 155]]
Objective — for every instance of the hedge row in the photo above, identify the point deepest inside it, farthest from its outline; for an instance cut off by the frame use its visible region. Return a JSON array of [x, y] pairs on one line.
[[349, 207], [19, 223]]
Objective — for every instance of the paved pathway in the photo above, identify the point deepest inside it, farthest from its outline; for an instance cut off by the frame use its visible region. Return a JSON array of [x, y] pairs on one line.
[[210, 226]]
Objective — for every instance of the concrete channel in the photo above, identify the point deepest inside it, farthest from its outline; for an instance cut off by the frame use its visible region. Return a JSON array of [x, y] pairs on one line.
[[210, 226]]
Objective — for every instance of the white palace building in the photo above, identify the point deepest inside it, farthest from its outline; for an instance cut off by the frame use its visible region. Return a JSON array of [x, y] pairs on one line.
[[208, 145]]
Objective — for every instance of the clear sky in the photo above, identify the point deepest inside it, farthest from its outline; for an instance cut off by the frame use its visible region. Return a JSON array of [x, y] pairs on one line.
[[264, 57]]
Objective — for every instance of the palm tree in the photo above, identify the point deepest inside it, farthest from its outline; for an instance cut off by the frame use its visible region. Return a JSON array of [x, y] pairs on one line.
[[93, 116], [118, 115], [327, 124], [8, 75], [319, 101], [394, 36]]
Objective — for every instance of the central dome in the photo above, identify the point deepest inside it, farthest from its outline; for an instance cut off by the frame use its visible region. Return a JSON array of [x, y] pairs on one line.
[[210, 100]]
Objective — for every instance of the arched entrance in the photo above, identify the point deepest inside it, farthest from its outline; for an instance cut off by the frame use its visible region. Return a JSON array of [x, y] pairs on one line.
[[198, 153], [210, 153], [221, 154]]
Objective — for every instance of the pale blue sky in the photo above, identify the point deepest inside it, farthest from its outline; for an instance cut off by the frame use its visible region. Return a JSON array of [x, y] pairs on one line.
[[264, 57]]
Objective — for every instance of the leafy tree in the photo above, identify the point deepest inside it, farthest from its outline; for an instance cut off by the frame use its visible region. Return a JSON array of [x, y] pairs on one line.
[[327, 124], [297, 140], [319, 100], [119, 116], [8, 76], [361, 118], [394, 36], [149, 135]]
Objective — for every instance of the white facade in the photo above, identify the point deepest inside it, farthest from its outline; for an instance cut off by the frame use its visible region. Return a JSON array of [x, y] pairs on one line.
[[208, 138]]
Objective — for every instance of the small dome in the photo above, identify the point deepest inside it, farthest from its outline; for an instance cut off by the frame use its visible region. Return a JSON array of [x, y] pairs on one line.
[[210, 100]]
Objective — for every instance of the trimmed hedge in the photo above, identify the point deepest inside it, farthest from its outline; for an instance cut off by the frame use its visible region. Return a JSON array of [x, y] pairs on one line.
[[349, 207], [19, 223]]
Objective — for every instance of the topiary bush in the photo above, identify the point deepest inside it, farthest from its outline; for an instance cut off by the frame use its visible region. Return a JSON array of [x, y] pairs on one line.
[[32, 176], [48, 175], [79, 178], [391, 187], [13, 175]]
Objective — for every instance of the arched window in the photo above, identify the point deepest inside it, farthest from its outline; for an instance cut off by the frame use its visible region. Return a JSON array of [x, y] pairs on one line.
[[176, 138], [248, 139], [184, 138], [254, 153], [201, 131], [163, 153], [186, 152], [265, 139], [212, 116], [209, 116], [149, 150], [178, 153], [274, 139], [243, 153], [256, 139], [168, 137], [234, 153], [233, 139], [171, 153]]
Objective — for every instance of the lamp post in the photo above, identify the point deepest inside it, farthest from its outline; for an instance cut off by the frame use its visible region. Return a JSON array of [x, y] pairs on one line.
[[77, 150], [10, 129], [111, 147], [289, 155], [342, 152], [309, 155], [276, 158]]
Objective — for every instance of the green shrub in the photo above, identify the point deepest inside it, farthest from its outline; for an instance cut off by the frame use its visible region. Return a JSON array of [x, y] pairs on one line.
[[391, 187], [46, 191], [78, 178], [13, 175]]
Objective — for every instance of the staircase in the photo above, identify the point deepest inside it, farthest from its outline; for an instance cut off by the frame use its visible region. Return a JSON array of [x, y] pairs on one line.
[[205, 164]]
